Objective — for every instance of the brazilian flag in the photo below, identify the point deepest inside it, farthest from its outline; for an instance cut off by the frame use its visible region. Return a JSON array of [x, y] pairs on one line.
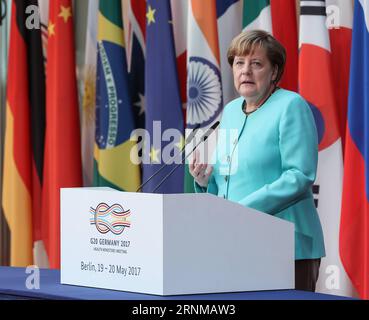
[[115, 155]]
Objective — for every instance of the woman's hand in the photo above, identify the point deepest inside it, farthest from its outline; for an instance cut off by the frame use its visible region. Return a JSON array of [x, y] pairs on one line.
[[200, 171]]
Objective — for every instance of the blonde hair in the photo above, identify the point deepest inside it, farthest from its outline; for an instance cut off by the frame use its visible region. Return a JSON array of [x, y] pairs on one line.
[[246, 42]]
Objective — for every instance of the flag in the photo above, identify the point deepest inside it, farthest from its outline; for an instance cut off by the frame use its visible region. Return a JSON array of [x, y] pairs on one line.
[[44, 19], [39, 252], [179, 17], [205, 100], [339, 19], [229, 23], [354, 228], [179, 14], [317, 87], [62, 161], [164, 117], [204, 80], [24, 136], [284, 25], [136, 59], [89, 96], [278, 17], [257, 15], [113, 165]]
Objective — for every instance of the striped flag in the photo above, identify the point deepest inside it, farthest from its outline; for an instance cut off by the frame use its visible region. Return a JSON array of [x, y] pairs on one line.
[[44, 17], [229, 18], [257, 15], [24, 136], [39, 252], [179, 14], [114, 119], [317, 87], [204, 91], [163, 102], [204, 80], [89, 96], [62, 161], [277, 17], [354, 228]]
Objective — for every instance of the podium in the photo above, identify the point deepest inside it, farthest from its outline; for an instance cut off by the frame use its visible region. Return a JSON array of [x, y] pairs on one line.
[[171, 244]]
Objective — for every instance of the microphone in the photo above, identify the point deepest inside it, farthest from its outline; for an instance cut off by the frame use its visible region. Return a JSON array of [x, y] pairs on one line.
[[188, 140], [203, 139], [191, 136]]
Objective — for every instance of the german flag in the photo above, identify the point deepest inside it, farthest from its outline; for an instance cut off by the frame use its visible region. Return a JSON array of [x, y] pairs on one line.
[[62, 143], [24, 136]]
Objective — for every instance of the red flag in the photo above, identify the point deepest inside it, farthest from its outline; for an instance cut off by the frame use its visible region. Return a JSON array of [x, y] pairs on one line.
[[340, 37], [354, 227], [284, 23], [62, 162]]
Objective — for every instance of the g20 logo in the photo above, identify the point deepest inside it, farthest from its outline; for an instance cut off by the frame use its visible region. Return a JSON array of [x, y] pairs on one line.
[[110, 218]]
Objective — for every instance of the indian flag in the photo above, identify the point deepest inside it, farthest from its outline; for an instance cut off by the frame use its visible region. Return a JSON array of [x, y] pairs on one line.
[[204, 83]]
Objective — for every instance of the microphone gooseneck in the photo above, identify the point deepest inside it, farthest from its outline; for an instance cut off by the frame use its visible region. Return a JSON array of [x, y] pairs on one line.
[[188, 140], [203, 139]]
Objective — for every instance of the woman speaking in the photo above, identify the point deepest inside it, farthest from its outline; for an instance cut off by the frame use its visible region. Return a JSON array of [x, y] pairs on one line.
[[277, 150]]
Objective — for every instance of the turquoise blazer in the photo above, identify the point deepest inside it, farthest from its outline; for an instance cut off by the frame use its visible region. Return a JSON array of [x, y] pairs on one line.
[[267, 161]]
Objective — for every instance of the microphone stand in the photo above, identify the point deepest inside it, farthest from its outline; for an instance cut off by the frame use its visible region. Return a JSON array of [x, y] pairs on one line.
[[188, 140], [205, 137]]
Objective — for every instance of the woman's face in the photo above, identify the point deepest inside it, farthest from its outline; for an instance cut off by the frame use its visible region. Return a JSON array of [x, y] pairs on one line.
[[253, 75]]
